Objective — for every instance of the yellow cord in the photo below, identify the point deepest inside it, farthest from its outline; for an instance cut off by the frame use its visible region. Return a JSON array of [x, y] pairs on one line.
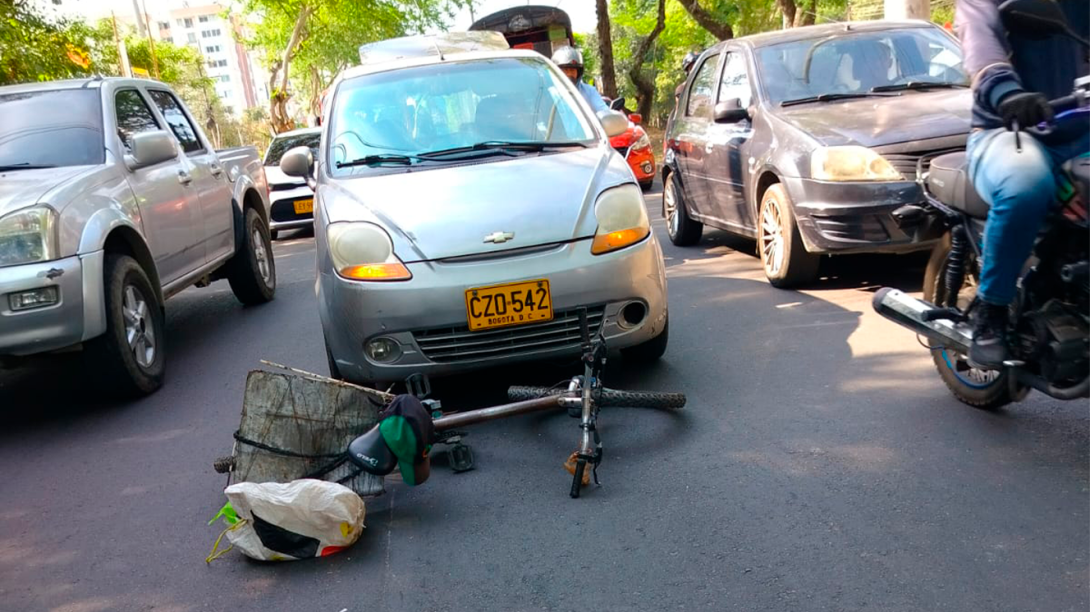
[[212, 556]]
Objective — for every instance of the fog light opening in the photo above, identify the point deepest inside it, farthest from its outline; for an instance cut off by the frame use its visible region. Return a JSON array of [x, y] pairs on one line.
[[35, 298], [632, 314], [383, 350], [646, 168]]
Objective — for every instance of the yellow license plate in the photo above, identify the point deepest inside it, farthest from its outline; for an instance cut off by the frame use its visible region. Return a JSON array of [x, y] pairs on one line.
[[304, 206], [506, 305]]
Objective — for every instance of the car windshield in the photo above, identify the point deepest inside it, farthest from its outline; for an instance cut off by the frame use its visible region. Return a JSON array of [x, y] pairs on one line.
[[857, 63], [421, 110], [60, 127], [283, 144]]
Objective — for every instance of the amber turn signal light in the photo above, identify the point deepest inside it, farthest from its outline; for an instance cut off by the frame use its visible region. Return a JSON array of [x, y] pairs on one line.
[[377, 272], [611, 241]]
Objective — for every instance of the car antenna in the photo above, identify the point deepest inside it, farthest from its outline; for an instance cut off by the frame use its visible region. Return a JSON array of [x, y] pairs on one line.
[[438, 50]]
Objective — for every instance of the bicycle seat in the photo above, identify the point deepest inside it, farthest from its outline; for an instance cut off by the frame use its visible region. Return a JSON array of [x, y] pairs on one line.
[[371, 453], [948, 180]]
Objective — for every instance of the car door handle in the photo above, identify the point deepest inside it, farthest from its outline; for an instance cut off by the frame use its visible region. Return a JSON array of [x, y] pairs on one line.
[[216, 170], [184, 177]]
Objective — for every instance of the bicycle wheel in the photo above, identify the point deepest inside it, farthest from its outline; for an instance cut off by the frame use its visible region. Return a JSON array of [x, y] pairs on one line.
[[607, 397]]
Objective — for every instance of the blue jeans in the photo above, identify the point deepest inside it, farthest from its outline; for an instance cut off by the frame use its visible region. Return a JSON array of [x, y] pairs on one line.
[[1021, 189]]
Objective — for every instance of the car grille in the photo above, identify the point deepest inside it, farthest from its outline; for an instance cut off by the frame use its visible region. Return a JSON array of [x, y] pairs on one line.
[[284, 210], [861, 227], [905, 157], [458, 344]]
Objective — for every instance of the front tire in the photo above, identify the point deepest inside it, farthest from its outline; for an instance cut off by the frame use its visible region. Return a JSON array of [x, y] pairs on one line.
[[783, 255], [646, 186], [128, 359], [984, 389], [252, 271], [650, 351], [681, 229]]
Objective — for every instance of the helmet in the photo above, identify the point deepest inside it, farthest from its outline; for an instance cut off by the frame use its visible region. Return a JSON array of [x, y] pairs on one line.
[[569, 57], [690, 59]]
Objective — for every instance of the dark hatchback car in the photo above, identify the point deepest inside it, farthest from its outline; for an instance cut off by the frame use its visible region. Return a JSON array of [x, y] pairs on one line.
[[808, 139]]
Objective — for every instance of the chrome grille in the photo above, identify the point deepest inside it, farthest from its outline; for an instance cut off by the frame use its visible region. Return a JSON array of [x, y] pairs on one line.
[[904, 157], [458, 344]]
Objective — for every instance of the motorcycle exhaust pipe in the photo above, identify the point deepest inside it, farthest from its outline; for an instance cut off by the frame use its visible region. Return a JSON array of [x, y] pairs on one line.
[[907, 311]]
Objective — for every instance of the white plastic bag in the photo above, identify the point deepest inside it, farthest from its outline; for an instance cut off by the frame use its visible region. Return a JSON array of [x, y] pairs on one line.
[[295, 520]]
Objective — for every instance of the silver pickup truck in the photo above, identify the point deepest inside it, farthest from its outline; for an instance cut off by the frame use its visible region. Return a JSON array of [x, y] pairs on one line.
[[111, 201]]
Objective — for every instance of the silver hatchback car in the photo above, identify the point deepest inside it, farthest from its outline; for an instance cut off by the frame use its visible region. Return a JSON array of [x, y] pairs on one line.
[[467, 206]]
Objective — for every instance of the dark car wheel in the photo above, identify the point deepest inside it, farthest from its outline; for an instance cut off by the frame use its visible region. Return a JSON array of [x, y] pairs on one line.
[[652, 350], [252, 271], [681, 229], [128, 359], [274, 234], [646, 186], [783, 256]]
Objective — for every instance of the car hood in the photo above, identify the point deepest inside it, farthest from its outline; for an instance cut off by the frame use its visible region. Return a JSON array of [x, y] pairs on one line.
[[879, 121], [22, 188], [276, 176], [448, 212]]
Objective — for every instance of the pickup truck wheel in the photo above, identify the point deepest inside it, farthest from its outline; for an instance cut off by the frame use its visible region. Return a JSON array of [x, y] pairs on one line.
[[129, 357], [783, 256], [681, 229], [252, 271]]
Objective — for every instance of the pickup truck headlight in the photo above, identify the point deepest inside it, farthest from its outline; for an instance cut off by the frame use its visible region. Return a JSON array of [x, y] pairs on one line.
[[363, 251], [851, 163], [28, 236], [622, 219]]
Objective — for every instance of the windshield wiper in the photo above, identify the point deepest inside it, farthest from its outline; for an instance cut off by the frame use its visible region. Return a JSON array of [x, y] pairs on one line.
[[917, 85], [374, 160], [502, 147], [24, 166], [827, 97]]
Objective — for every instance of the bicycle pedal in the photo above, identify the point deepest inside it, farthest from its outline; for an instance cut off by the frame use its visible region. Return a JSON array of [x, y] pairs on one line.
[[461, 458]]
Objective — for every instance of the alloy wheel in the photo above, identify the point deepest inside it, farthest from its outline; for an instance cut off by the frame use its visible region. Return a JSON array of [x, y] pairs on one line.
[[139, 326], [772, 245], [669, 198], [261, 254]]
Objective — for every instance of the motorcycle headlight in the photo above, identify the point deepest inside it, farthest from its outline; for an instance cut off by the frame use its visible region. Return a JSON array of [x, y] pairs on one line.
[[622, 219], [851, 163], [28, 236], [364, 252]]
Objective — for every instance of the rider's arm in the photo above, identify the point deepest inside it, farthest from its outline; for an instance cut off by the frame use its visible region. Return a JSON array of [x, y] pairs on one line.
[[593, 97], [987, 54]]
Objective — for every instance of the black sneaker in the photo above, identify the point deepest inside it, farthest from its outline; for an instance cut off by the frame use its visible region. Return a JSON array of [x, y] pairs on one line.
[[989, 347]]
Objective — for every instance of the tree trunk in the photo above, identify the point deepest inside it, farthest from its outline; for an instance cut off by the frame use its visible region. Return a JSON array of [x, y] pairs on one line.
[[706, 20], [605, 50], [808, 15], [788, 9], [645, 87], [278, 104]]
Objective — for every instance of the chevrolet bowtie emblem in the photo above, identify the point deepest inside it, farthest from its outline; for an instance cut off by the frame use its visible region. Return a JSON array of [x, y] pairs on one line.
[[499, 237]]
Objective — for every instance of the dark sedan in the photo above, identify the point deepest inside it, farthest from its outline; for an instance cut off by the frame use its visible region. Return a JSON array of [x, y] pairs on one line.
[[808, 139]]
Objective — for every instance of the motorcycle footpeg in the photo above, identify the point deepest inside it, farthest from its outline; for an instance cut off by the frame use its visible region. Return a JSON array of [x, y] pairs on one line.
[[461, 458], [943, 314]]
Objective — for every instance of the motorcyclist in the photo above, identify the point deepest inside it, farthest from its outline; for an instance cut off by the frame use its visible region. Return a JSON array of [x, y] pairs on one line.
[[1013, 77], [686, 65], [570, 60]]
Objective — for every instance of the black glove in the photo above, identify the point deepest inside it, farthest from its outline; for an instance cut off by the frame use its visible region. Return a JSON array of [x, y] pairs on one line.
[[1028, 108]]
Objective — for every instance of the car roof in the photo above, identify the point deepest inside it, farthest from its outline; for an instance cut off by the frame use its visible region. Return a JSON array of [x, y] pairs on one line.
[[824, 30], [87, 83], [428, 60], [311, 131]]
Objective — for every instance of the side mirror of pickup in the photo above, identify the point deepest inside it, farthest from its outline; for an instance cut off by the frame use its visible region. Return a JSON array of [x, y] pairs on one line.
[[730, 111], [613, 123], [150, 148], [299, 162]]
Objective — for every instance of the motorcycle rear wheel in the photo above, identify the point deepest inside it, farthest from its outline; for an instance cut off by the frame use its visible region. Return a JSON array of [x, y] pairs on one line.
[[984, 389]]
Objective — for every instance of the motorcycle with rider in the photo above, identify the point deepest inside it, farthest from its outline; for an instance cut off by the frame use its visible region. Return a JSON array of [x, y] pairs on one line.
[[1006, 295]]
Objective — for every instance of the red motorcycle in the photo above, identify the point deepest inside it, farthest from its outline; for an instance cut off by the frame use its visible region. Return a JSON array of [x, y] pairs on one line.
[[635, 146]]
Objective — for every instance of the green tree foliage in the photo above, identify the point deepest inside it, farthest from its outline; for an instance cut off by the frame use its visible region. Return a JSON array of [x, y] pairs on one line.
[[35, 48]]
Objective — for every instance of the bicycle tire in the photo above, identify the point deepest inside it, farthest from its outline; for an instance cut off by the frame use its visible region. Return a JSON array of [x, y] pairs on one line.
[[607, 398]]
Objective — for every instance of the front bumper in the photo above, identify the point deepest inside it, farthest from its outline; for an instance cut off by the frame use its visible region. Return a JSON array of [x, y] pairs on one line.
[[282, 213], [52, 327], [642, 163], [854, 217], [430, 310]]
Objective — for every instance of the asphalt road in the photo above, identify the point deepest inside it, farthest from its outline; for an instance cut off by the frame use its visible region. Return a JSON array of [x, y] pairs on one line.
[[819, 465]]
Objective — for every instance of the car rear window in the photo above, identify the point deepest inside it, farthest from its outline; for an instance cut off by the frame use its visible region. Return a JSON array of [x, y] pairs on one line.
[[282, 144]]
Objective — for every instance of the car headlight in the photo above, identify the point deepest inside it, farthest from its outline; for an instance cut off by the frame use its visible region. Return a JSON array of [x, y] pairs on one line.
[[643, 142], [28, 236], [363, 251], [622, 219], [851, 163]]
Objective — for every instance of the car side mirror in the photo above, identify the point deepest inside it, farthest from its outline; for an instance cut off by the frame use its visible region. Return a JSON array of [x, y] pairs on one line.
[[613, 123], [299, 162], [636, 118], [617, 104], [730, 111], [1034, 18], [150, 148]]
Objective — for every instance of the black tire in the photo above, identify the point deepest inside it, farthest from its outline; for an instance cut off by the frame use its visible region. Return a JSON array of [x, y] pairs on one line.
[[650, 351], [111, 357], [607, 398], [783, 256], [680, 228], [274, 234], [252, 271], [984, 389], [646, 186]]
